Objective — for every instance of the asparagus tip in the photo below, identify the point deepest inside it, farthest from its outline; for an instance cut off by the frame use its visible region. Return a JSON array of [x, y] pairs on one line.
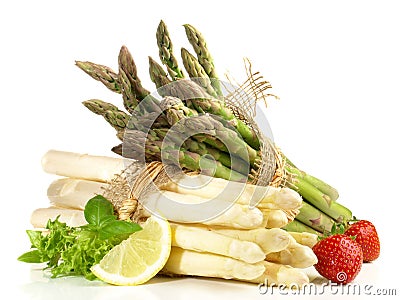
[[117, 149], [124, 48], [184, 51], [79, 64], [162, 23], [86, 103]]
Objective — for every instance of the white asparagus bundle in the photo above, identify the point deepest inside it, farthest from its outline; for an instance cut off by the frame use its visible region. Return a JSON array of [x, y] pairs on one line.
[[187, 262], [234, 245]]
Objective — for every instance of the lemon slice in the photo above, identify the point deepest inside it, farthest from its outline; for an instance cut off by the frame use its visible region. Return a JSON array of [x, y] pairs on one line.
[[138, 258]]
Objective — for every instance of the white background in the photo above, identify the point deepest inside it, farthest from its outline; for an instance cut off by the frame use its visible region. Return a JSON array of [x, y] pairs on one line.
[[334, 64]]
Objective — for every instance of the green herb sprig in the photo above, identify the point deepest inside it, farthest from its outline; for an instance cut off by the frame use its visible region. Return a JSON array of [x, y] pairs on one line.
[[72, 251]]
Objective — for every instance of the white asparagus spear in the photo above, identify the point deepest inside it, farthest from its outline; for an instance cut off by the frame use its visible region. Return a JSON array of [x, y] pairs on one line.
[[236, 216], [278, 274], [278, 198], [73, 193], [186, 262], [240, 217], [305, 238], [84, 166], [274, 218], [210, 187], [270, 240], [72, 217], [203, 240], [295, 255]]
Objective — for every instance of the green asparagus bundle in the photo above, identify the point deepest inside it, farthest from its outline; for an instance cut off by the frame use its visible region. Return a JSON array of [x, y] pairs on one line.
[[224, 145]]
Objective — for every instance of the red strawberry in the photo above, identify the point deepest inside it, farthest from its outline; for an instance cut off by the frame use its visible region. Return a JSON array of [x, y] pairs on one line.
[[367, 237], [339, 258]]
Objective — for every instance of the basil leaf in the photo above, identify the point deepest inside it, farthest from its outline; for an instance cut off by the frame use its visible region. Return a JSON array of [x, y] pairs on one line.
[[33, 256], [89, 227], [97, 208], [116, 228], [107, 219]]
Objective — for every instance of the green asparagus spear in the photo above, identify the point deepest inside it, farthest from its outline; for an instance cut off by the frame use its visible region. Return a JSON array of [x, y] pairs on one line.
[[132, 90], [325, 188], [204, 57], [201, 148], [120, 120], [115, 117], [318, 199], [198, 43], [158, 75], [314, 218], [99, 107], [218, 107], [196, 72], [209, 126], [175, 110], [126, 82], [127, 64], [129, 97], [165, 48], [297, 226], [134, 142], [101, 73]]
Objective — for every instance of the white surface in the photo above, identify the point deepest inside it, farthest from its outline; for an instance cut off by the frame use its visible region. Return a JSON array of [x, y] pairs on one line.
[[335, 66], [371, 282]]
